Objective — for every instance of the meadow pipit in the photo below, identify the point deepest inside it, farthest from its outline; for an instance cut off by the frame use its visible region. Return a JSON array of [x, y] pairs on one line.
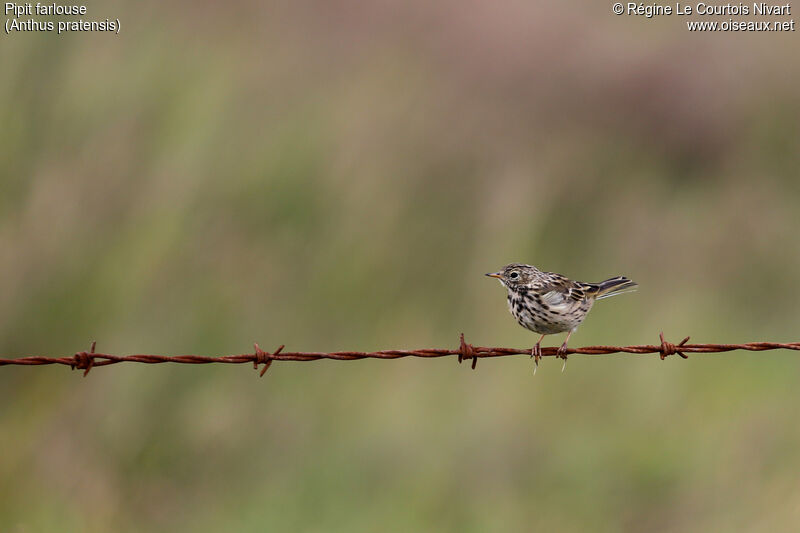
[[548, 303]]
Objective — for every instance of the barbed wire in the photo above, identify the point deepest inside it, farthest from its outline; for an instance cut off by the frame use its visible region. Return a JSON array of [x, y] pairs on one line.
[[465, 351]]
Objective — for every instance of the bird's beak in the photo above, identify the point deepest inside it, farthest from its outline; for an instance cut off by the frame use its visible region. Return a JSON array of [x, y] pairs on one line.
[[498, 275]]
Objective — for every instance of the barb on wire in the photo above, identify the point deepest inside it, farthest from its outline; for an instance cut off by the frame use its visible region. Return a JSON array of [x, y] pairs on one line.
[[87, 360], [263, 357]]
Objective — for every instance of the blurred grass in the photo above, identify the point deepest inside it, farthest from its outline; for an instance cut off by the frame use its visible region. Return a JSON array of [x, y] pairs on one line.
[[340, 177]]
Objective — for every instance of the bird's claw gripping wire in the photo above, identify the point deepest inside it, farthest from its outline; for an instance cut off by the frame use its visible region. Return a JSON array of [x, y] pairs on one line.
[[536, 354], [562, 353]]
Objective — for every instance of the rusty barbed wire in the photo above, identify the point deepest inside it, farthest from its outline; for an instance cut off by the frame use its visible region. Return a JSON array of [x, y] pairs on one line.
[[87, 360]]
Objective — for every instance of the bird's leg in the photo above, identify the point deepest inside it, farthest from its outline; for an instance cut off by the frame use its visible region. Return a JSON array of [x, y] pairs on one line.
[[536, 353], [562, 351]]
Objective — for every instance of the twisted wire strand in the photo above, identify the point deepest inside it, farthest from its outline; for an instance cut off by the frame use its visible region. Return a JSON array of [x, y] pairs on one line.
[[465, 351]]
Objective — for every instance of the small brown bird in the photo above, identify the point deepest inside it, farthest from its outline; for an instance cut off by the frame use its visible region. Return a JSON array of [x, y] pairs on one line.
[[548, 303]]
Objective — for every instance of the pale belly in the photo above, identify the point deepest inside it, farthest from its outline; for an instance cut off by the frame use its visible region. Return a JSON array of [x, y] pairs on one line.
[[548, 321]]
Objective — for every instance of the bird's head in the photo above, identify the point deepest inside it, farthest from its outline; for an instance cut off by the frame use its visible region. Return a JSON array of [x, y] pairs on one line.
[[515, 275]]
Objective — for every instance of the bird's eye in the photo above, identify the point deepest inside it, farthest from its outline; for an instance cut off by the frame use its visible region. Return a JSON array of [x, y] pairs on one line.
[[514, 275]]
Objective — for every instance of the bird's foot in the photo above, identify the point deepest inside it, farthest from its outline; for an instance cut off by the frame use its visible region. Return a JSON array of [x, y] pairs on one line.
[[562, 353], [536, 354]]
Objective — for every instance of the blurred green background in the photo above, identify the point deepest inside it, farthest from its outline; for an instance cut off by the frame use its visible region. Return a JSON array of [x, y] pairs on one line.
[[336, 175]]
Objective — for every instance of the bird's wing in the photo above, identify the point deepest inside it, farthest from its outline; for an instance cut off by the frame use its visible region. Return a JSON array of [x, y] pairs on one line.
[[560, 292]]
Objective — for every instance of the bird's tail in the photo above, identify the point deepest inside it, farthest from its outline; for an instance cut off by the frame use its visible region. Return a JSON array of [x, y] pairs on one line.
[[614, 286]]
